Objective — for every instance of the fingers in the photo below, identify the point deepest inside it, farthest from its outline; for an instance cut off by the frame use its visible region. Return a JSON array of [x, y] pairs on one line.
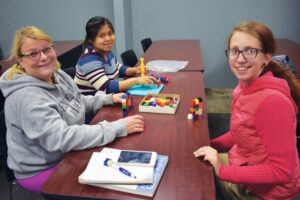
[[199, 152], [135, 123], [146, 69], [138, 120], [138, 127], [211, 155], [204, 151], [152, 78], [117, 98], [149, 80], [138, 117], [138, 70]]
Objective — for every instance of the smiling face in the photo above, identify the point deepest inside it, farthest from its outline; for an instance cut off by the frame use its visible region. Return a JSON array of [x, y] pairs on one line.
[[247, 69], [104, 41], [42, 64]]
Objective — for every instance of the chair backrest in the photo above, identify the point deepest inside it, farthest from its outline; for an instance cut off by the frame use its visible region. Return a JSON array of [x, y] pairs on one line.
[[70, 58], [1, 53], [9, 173], [146, 43], [285, 61], [2, 99], [129, 58], [71, 71]]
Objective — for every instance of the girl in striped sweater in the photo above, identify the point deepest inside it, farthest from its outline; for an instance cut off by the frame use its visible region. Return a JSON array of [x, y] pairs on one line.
[[98, 69]]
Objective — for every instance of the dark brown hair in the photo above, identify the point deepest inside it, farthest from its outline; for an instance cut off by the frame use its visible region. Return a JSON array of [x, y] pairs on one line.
[[93, 26]]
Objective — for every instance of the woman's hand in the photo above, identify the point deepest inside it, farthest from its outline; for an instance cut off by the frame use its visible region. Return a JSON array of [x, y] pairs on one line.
[[148, 80], [134, 123], [117, 98], [211, 155]]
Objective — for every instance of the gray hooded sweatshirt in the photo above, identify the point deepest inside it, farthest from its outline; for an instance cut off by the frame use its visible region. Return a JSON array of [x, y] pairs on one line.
[[44, 121]]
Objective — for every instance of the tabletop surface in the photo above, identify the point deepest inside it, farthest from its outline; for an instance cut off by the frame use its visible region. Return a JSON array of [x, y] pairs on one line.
[[183, 50], [185, 177]]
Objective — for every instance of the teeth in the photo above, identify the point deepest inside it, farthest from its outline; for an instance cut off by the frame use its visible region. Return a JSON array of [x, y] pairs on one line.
[[242, 68]]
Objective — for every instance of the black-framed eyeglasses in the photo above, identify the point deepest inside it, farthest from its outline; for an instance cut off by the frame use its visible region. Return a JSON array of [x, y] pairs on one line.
[[248, 53], [35, 55]]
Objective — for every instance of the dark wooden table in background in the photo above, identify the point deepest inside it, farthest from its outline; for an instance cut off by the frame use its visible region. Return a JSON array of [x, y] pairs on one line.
[[183, 50], [185, 177], [290, 48]]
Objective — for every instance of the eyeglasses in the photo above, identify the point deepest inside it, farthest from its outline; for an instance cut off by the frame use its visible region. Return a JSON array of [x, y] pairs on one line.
[[35, 55], [248, 53]]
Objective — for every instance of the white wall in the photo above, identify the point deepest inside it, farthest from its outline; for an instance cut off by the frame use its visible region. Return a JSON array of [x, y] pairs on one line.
[[207, 20], [211, 21], [61, 19]]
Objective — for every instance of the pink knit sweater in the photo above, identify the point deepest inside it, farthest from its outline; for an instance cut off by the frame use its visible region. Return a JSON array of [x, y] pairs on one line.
[[262, 140]]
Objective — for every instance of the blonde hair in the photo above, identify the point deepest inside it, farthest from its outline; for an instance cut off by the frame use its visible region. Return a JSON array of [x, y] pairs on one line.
[[21, 34]]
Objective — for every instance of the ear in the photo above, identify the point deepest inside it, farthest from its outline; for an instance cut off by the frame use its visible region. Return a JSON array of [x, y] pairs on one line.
[[268, 58], [19, 60]]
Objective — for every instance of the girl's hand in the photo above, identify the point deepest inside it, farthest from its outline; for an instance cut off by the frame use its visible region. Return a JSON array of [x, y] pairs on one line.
[[138, 70], [211, 155], [148, 80], [117, 98], [134, 123]]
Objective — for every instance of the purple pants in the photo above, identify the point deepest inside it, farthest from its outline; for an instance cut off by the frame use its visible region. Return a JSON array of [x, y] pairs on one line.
[[36, 182]]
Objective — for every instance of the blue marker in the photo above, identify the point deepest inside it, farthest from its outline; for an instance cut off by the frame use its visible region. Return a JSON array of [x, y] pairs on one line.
[[108, 162]]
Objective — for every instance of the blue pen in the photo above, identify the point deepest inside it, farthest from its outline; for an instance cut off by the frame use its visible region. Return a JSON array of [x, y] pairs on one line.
[[108, 162]]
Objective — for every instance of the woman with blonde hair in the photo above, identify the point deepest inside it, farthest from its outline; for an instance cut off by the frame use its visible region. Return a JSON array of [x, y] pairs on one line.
[[45, 111]]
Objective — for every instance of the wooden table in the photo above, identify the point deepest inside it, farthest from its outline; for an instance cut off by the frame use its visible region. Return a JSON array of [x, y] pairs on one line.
[[184, 50], [185, 177], [61, 47], [290, 48]]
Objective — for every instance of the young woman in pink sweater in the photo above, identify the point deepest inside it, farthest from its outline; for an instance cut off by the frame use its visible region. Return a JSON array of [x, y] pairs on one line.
[[262, 161]]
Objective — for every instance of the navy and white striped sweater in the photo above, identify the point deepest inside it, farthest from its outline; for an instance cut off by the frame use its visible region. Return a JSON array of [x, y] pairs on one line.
[[94, 73]]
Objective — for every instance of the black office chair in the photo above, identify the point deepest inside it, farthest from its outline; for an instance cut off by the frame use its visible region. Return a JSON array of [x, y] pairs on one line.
[[129, 58], [71, 71], [2, 99], [1, 53], [286, 61], [146, 43], [70, 58], [9, 173]]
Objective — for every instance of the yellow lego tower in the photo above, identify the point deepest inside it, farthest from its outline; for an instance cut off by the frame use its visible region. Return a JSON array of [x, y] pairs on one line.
[[142, 66]]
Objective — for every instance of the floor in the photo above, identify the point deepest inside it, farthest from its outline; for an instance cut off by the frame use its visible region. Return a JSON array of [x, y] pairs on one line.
[[218, 104]]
